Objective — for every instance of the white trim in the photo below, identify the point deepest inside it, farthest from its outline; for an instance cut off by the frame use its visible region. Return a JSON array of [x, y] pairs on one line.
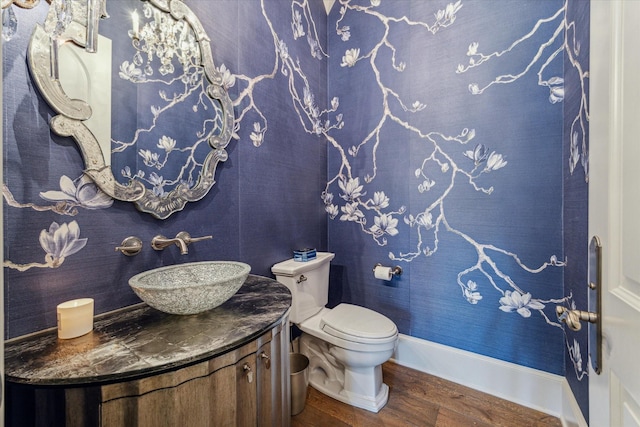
[[328, 4], [528, 387]]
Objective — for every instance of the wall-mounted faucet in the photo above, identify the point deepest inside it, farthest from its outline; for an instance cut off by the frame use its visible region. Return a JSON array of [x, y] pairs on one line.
[[182, 240], [160, 242]]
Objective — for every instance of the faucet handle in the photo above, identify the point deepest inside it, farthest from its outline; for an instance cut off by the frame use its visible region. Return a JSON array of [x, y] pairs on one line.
[[130, 246], [186, 237]]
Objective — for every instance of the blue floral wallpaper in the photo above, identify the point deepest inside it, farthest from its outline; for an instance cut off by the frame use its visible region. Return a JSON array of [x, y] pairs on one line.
[[447, 137], [576, 193], [462, 158], [61, 232]]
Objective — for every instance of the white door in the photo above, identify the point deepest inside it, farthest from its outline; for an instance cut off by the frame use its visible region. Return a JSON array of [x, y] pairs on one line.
[[614, 206]]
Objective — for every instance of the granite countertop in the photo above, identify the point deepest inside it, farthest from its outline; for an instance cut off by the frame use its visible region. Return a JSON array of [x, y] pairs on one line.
[[138, 341]]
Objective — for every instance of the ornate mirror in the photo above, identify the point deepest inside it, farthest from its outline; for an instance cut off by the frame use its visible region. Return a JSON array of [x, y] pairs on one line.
[[140, 96]]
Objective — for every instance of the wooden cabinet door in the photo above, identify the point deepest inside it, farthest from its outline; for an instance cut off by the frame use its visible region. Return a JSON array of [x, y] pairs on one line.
[[246, 398], [200, 402]]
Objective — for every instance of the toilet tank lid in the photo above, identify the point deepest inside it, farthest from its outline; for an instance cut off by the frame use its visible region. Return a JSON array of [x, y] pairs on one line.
[[355, 321], [292, 268]]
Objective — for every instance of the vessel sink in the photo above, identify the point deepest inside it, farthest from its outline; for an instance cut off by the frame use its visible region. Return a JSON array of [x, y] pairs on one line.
[[190, 288]]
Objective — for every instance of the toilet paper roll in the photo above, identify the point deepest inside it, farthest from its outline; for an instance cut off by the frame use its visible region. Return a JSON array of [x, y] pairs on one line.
[[383, 273]]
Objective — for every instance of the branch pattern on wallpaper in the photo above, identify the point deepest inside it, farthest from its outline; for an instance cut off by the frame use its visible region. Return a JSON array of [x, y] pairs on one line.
[[440, 164], [312, 119], [81, 192], [578, 149], [544, 56], [372, 213]]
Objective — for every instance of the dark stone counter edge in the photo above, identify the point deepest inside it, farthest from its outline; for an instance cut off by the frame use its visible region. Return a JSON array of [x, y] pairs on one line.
[[141, 373], [99, 380]]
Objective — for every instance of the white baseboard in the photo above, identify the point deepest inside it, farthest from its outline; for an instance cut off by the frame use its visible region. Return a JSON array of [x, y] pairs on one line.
[[528, 387]]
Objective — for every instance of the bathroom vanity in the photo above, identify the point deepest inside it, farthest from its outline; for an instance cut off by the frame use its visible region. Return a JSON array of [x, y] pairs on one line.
[[143, 367]]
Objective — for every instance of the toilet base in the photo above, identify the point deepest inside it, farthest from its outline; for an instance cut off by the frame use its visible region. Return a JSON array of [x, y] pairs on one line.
[[334, 389], [352, 383]]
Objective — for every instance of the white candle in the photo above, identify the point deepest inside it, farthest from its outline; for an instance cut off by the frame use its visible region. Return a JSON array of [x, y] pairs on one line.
[[75, 318], [136, 23]]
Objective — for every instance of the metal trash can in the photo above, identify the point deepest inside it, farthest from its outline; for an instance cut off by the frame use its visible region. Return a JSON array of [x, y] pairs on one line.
[[299, 381]]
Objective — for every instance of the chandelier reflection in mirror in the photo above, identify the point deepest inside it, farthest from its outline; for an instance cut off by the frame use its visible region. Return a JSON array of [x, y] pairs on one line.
[[165, 38], [171, 118], [9, 19]]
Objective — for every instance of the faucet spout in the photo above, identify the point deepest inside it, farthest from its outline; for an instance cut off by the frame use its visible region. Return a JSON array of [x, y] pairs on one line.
[[160, 242]]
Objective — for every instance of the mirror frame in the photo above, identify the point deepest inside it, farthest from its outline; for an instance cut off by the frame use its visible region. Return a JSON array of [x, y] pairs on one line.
[[73, 112]]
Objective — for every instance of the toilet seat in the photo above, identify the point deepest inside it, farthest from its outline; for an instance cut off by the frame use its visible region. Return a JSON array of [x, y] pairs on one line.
[[358, 324]]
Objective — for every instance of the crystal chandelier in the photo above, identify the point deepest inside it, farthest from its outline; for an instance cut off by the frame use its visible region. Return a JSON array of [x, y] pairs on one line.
[[9, 19], [163, 38]]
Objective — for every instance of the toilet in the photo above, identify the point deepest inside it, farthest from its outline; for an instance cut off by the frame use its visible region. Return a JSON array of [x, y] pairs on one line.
[[346, 345]]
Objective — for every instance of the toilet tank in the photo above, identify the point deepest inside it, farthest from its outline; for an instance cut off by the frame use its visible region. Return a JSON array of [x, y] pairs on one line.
[[308, 282]]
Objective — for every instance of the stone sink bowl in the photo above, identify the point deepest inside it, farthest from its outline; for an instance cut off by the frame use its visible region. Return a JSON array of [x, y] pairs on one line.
[[190, 288]]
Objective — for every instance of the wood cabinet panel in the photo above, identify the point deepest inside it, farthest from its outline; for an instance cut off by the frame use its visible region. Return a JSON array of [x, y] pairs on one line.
[[196, 402]]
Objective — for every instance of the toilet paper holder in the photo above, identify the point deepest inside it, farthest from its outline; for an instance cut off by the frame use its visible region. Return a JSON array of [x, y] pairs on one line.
[[396, 271]]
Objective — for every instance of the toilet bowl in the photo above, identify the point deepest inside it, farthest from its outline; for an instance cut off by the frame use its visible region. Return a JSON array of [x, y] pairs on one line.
[[346, 345]]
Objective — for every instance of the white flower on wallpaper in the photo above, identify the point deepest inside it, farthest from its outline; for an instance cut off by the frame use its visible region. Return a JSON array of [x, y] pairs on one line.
[[82, 193], [344, 32], [129, 71], [167, 144], [59, 242], [73, 194], [314, 47], [152, 158], [351, 189], [379, 200], [298, 29], [350, 57], [481, 156], [228, 79], [522, 303], [556, 89], [478, 154], [296, 25], [384, 224], [471, 292], [157, 181], [257, 136], [332, 210], [576, 359], [446, 17], [495, 161], [351, 212]]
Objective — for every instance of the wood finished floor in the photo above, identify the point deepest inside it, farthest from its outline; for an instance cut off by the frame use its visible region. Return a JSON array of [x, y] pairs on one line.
[[419, 399]]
